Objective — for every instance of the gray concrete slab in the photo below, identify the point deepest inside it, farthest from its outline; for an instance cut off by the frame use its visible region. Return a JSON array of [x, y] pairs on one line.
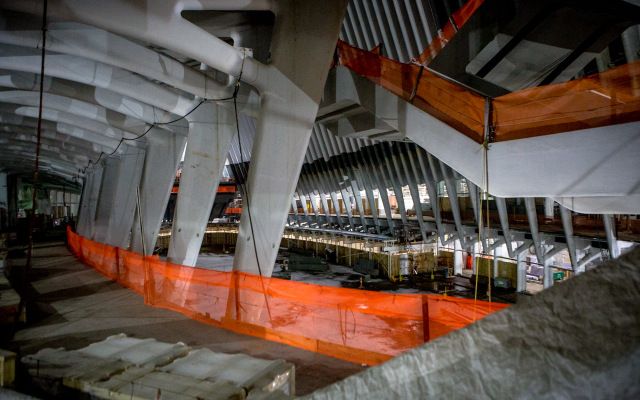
[[73, 306]]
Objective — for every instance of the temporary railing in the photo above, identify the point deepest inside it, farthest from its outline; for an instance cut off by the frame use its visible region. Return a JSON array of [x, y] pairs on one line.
[[355, 325]]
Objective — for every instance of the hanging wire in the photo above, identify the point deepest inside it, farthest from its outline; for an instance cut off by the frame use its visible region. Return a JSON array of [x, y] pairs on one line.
[[245, 188], [485, 191], [156, 124], [36, 167]]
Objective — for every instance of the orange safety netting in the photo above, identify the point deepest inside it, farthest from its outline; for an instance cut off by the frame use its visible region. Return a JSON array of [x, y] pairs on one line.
[[443, 99], [607, 98], [355, 325]]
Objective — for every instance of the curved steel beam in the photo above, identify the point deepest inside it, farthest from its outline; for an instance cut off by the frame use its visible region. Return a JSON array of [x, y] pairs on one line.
[[93, 95], [61, 132], [72, 145], [23, 152], [11, 115], [78, 108], [46, 144], [99, 132], [24, 163], [159, 23], [105, 47], [104, 76]]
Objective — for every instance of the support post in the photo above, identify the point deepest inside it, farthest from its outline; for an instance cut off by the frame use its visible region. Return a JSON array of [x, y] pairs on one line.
[[82, 206], [610, 230], [308, 188], [431, 183], [549, 206], [117, 199], [394, 179], [288, 108], [458, 262], [521, 273], [85, 217], [567, 225], [590, 256], [548, 276], [92, 203], [532, 216], [425, 319], [371, 201], [452, 191], [294, 209], [164, 149], [359, 205], [211, 129], [476, 203], [501, 205], [381, 185], [303, 201]]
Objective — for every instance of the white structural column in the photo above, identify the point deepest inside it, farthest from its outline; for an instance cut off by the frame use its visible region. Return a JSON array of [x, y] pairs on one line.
[[567, 224], [92, 201], [501, 205], [303, 42], [548, 262], [294, 208], [211, 129], [458, 262], [164, 150], [359, 205], [305, 211], [312, 199], [452, 193], [105, 199], [90, 191], [549, 206], [532, 216], [81, 221], [521, 274], [117, 197], [129, 170], [610, 230]]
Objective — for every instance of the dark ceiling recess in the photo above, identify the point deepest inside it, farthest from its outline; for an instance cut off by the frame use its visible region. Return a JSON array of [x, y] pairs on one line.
[[510, 45], [253, 29]]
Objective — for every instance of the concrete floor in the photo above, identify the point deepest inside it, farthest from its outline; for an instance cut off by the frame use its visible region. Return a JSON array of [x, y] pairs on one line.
[[342, 276], [72, 306]]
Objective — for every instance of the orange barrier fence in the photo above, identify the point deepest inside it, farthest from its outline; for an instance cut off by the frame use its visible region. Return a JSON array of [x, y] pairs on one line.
[[355, 325], [610, 97]]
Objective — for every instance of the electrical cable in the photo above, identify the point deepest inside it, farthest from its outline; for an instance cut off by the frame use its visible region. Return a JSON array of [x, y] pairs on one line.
[[36, 168], [246, 191], [156, 124], [123, 139]]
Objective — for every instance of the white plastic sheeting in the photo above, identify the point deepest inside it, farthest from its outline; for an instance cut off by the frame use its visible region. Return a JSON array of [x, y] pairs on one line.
[[122, 367], [578, 339]]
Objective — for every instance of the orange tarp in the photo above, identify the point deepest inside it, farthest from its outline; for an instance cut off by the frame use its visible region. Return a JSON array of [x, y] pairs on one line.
[[443, 99], [355, 325], [611, 97], [221, 189]]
